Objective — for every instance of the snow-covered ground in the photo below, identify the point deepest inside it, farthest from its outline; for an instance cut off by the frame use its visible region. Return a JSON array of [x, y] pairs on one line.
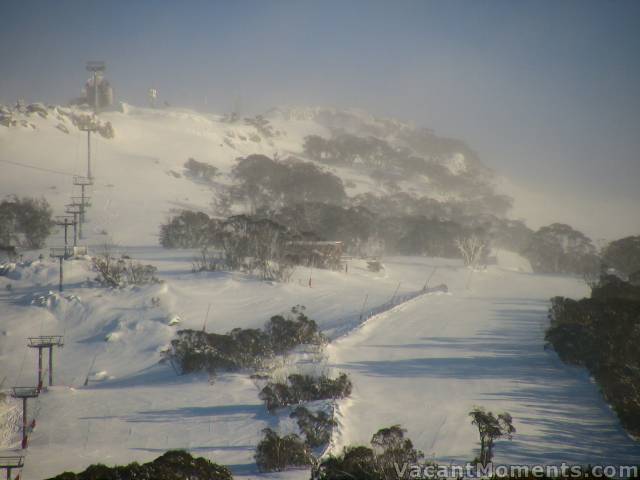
[[423, 364]]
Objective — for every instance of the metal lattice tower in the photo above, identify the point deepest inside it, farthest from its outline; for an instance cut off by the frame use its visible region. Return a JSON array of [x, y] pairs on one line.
[[74, 209], [14, 462], [89, 127], [83, 203], [61, 253], [25, 393], [65, 221], [42, 342]]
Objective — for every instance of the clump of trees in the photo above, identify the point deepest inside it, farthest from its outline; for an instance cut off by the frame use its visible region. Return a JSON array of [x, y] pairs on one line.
[[188, 229], [386, 164], [304, 388], [316, 427], [623, 255], [387, 457], [120, 271], [275, 453], [25, 222], [248, 243], [200, 170], [558, 248], [243, 348], [490, 428], [602, 333], [261, 180], [172, 465]]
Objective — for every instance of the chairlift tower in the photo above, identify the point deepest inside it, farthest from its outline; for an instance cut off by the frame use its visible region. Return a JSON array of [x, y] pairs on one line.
[[25, 393], [65, 221], [14, 462], [61, 253], [82, 203], [73, 209], [83, 183], [89, 127], [95, 67], [42, 342]]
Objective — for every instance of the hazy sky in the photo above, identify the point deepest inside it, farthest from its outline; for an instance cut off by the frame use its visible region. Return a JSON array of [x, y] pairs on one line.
[[546, 91]]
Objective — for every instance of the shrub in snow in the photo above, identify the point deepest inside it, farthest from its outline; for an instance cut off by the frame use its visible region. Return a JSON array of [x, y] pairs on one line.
[[173, 465], [602, 333], [187, 230], [200, 170], [316, 427], [120, 272], [389, 448], [25, 221], [195, 350], [287, 333], [374, 266], [275, 453], [304, 388]]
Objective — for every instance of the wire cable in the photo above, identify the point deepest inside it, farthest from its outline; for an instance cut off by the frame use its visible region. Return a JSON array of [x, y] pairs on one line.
[[48, 170]]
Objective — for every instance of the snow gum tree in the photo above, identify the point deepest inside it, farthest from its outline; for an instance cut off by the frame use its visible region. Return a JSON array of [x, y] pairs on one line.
[[490, 428]]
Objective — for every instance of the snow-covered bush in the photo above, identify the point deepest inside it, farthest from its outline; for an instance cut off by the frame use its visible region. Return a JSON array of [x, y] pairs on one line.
[[195, 350], [602, 333], [200, 170], [389, 450], [25, 221], [287, 333], [316, 427], [119, 272], [275, 453], [305, 388], [173, 465]]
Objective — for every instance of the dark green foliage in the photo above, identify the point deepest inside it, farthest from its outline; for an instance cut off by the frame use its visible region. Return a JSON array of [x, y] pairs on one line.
[[287, 333], [623, 255], [25, 221], [264, 181], [354, 463], [275, 453], [195, 350], [316, 427], [304, 388], [200, 170], [390, 449], [188, 230], [490, 428], [173, 465], [558, 248], [602, 333]]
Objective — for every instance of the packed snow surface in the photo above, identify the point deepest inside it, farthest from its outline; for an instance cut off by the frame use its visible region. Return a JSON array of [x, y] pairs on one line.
[[424, 364]]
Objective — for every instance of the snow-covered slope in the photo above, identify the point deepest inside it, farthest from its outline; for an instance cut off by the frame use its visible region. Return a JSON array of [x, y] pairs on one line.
[[139, 173], [423, 364]]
